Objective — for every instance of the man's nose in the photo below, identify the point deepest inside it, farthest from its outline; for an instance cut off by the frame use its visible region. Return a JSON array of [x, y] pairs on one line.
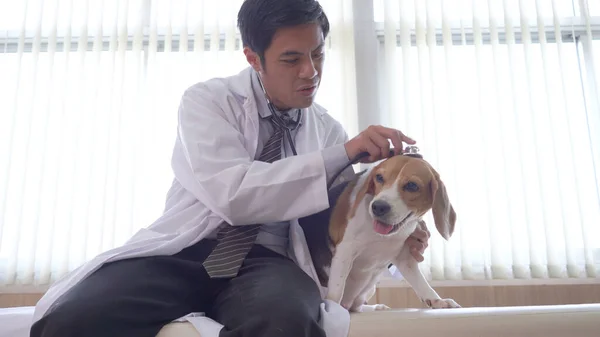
[[380, 207], [308, 70]]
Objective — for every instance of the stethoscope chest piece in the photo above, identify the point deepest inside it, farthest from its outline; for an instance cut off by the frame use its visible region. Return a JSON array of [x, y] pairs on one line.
[[412, 151]]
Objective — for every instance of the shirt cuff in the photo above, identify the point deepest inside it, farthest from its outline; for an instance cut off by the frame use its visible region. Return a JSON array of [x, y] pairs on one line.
[[335, 158]]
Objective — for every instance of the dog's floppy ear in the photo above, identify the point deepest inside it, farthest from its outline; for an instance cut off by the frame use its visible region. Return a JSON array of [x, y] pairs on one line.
[[367, 188], [444, 215]]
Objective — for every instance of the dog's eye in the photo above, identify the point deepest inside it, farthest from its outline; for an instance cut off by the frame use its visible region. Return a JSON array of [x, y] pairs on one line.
[[379, 178], [411, 187]]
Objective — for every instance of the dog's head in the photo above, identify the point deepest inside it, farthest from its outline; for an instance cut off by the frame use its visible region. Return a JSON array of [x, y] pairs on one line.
[[404, 189]]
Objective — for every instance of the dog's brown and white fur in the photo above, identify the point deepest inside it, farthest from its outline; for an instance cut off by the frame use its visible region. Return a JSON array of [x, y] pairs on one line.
[[369, 226]]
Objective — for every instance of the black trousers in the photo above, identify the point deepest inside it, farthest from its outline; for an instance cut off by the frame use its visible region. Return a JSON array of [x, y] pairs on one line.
[[271, 296]]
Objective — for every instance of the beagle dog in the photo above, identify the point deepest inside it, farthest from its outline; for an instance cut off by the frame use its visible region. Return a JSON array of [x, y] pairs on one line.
[[371, 219]]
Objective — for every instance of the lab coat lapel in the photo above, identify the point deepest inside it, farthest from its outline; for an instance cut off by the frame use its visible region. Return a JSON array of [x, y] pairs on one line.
[[249, 117], [307, 139], [334, 318], [251, 125]]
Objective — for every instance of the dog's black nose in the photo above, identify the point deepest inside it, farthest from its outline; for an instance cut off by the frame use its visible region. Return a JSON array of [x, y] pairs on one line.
[[380, 207]]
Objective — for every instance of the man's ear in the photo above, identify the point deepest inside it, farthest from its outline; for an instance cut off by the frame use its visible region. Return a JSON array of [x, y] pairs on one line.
[[253, 59]]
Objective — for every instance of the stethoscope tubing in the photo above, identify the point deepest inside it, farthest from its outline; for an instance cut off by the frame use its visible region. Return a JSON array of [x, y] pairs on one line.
[[286, 129]]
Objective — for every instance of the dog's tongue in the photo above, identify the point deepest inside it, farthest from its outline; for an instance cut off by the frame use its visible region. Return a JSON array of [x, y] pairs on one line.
[[382, 228]]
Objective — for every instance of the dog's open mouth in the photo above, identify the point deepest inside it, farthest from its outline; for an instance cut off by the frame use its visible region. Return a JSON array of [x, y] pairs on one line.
[[386, 229]]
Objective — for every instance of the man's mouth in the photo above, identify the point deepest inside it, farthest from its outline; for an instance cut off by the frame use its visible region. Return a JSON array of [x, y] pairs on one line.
[[308, 90], [308, 86], [387, 229]]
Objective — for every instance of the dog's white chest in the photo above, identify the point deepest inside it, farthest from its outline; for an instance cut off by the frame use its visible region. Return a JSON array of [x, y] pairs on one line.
[[375, 253]]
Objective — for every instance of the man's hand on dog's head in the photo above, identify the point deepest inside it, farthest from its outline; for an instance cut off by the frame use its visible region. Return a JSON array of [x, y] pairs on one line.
[[375, 140]]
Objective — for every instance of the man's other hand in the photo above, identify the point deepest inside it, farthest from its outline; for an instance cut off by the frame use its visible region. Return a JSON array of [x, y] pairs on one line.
[[417, 241]]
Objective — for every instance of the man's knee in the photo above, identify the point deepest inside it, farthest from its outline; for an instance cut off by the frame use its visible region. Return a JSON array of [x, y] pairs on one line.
[[294, 309], [281, 311], [285, 319], [294, 321], [69, 319], [271, 297], [291, 311]]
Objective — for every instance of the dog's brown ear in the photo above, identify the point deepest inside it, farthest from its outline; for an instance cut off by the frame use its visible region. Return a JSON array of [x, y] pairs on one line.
[[444, 215], [367, 188]]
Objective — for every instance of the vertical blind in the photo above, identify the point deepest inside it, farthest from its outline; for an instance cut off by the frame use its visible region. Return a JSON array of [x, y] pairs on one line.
[[503, 99], [89, 93]]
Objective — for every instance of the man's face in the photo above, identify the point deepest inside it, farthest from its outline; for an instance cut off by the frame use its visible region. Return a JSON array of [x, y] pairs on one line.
[[293, 65]]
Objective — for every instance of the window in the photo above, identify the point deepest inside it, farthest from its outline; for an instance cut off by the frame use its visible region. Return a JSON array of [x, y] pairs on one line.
[[504, 101], [503, 105]]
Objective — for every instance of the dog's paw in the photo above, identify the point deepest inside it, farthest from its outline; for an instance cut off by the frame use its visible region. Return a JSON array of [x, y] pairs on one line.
[[443, 303], [372, 307]]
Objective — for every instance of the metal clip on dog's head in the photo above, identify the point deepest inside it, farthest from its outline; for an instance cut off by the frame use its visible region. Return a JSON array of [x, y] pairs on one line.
[[412, 151]]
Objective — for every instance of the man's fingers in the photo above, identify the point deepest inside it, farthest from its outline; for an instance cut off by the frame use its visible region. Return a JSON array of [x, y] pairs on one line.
[[397, 137], [376, 141], [406, 138], [418, 256], [373, 149], [379, 139], [418, 241], [382, 143], [423, 226], [420, 235], [415, 243]]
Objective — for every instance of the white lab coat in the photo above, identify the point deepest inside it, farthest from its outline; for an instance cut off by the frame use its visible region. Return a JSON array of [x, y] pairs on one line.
[[216, 180]]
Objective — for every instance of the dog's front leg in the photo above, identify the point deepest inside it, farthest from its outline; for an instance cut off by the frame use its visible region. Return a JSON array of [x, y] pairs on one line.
[[360, 303], [409, 268], [341, 264]]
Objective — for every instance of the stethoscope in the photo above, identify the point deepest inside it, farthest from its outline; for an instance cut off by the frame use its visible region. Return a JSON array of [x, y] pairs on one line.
[[411, 151], [280, 122]]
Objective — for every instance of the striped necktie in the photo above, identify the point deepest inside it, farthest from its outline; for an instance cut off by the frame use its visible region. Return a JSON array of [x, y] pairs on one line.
[[234, 242]]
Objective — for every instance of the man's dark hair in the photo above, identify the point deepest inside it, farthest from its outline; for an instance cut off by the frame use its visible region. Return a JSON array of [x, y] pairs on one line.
[[258, 20]]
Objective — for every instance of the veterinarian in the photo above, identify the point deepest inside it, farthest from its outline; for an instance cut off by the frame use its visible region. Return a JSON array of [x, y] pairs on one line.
[[229, 179]]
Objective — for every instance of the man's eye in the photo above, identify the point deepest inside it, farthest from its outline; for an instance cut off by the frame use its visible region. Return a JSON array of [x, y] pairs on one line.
[[379, 178], [319, 55], [290, 61]]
